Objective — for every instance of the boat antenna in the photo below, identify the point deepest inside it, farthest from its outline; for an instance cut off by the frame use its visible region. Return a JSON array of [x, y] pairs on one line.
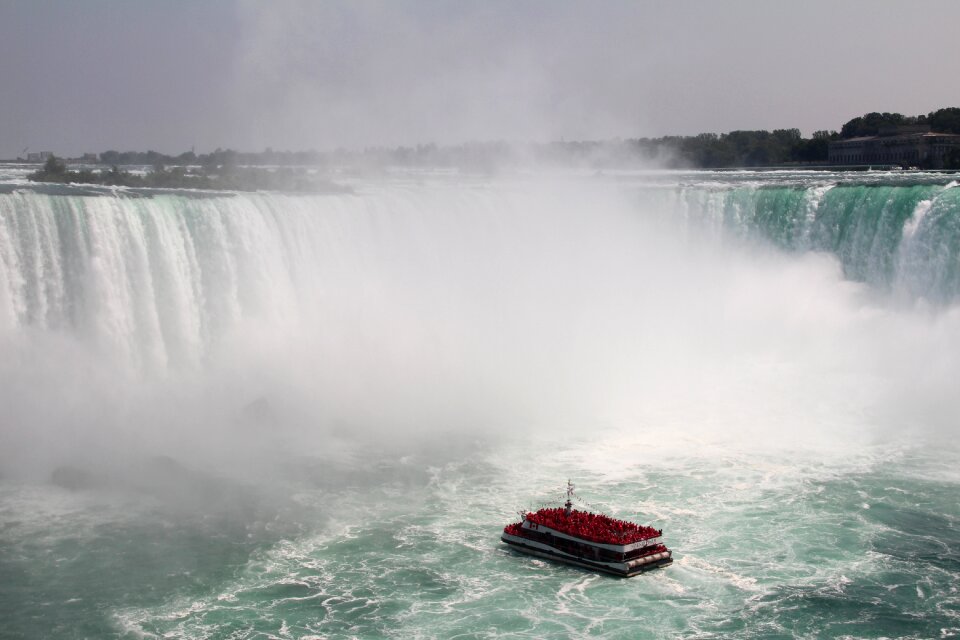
[[568, 505]]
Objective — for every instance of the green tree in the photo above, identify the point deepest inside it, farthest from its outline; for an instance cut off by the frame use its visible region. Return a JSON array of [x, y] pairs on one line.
[[54, 166], [871, 123], [945, 120]]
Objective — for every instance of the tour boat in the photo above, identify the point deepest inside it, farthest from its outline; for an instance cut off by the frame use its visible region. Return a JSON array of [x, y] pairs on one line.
[[590, 540]]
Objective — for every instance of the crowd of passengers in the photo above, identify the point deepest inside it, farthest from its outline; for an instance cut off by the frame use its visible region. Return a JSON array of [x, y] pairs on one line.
[[593, 526]]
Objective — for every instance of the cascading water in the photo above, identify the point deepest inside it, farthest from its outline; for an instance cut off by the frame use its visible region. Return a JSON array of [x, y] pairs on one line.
[[273, 415], [899, 237], [174, 270]]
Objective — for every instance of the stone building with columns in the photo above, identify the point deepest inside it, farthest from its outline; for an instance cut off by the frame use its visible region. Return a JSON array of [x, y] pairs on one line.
[[907, 146]]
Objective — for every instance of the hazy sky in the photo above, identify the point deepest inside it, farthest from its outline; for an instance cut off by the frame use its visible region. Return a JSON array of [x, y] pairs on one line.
[[91, 75]]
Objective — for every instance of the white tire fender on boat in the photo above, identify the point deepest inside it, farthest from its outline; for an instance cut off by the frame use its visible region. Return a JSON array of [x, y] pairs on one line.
[[647, 559]]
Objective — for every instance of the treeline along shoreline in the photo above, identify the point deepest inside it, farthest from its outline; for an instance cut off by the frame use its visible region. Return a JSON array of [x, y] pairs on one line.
[[228, 177], [235, 170]]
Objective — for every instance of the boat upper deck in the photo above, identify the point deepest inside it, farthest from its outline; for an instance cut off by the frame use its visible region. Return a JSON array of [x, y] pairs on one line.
[[595, 527]]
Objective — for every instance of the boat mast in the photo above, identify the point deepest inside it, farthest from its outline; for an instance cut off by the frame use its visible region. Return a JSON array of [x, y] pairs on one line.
[[568, 505]]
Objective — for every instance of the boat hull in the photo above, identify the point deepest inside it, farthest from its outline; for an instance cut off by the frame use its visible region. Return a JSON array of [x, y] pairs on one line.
[[544, 551]]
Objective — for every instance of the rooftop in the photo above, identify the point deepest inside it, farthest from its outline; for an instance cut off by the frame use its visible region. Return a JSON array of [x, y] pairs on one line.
[[901, 136]]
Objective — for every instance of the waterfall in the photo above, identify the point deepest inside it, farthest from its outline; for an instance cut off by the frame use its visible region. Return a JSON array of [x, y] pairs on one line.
[[156, 280], [899, 238], [151, 320]]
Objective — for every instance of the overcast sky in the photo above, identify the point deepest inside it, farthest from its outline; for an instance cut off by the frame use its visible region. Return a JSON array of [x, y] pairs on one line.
[[92, 75]]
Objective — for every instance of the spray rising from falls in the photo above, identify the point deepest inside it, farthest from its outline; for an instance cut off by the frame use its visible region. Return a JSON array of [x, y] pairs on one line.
[[463, 303], [400, 306]]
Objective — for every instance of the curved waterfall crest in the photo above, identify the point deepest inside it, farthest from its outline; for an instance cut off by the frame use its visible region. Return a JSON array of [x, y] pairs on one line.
[[157, 280], [901, 238]]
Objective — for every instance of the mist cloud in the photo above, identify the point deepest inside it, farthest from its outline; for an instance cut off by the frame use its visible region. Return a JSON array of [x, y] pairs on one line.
[[467, 310]]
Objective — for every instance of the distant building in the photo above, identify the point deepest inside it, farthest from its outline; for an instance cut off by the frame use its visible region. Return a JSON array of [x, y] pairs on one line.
[[90, 158], [40, 156], [909, 146]]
